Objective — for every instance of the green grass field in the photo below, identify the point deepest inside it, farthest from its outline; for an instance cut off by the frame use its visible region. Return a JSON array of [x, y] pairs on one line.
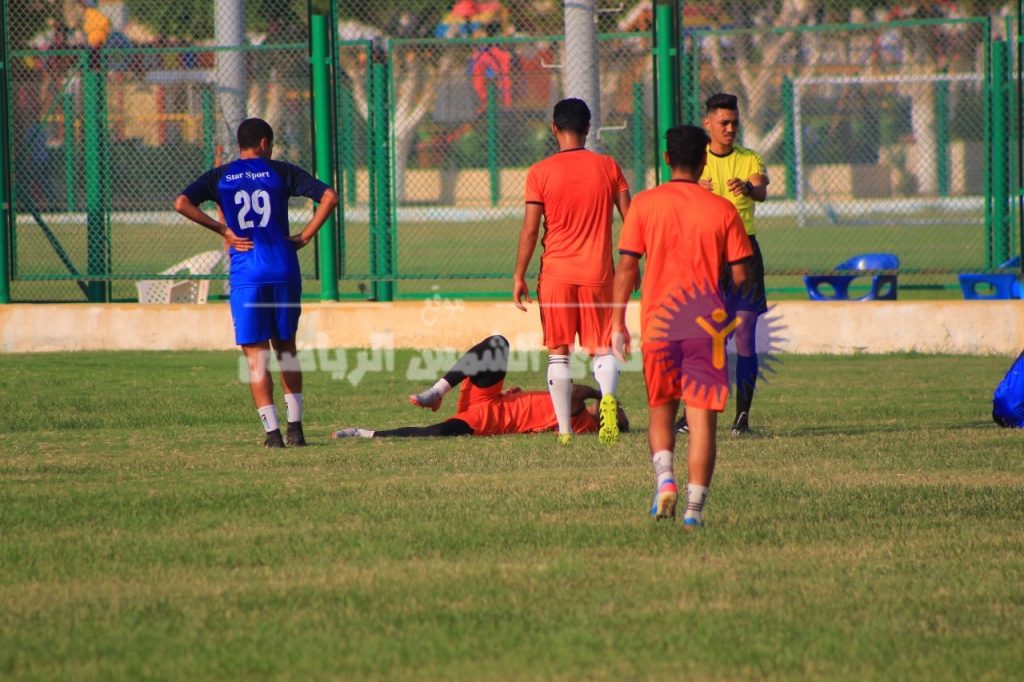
[[874, 530]]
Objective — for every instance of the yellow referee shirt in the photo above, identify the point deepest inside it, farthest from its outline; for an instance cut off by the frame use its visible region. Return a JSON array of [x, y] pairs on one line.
[[741, 163]]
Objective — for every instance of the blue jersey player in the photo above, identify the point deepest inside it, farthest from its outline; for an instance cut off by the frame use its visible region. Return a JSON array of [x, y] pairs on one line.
[[252, 193]]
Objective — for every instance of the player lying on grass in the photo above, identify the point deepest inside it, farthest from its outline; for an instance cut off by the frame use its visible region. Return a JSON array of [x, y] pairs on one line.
[[484, 409]]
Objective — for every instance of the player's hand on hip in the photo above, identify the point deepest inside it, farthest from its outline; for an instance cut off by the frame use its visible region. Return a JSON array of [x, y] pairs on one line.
[[620, 342], [707, 184], [236, 242], [299, 240], [519, 292]]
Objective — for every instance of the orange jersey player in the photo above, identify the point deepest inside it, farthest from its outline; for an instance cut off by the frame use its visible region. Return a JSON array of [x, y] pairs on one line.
[[689, 237], [574, 192], [486, 408]]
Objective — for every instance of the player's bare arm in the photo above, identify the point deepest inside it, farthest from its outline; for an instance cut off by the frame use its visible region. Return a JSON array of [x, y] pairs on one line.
[[527, 244], [626, 274], [323, 211], [622, 202], [185, 207]]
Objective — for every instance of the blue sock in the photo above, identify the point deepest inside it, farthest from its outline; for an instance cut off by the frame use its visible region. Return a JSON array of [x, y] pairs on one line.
[[746, 378]]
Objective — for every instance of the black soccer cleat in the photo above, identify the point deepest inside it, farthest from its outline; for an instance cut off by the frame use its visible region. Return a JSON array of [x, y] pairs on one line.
[[295, 435], [741, 427], [274, 439], [681, 425]]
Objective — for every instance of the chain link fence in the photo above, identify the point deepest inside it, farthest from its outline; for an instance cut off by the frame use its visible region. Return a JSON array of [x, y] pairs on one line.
[[885, 129], [891, 136], [114, 110]]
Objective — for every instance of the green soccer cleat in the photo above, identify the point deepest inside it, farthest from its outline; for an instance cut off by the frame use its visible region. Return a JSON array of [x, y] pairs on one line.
[[609, 410], [564, 438]]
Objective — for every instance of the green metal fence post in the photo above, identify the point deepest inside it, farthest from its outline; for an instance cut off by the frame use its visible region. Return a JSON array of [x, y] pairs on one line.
[[380, 230], [664, 54], [789, 137], [70, 184], [97, 288], [342, 133], [324, 162], [6, 207], [639, 135], [1000, 154], [492, 142], [209, 129], [942, 136]]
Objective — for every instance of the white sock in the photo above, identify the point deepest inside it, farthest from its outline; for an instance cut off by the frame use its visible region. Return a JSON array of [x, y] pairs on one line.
[[268, 415], [441, 387], [606, 371], [662, 463], [364, 433], [293, 401], [560, 387], [695, 497]]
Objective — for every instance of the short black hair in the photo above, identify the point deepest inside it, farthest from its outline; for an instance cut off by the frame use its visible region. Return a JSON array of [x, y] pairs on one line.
[[251, 131], [722, 100], [686, 146], [573, 115]]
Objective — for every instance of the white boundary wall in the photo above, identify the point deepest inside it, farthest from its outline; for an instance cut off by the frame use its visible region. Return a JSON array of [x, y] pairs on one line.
[[959, 327]]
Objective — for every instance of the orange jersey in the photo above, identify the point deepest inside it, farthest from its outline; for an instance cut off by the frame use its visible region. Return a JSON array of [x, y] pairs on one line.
[[521, 412], [688, 235], [577, 189]]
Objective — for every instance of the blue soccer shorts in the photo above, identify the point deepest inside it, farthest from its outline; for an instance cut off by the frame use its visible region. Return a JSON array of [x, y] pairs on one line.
[[262, 312]]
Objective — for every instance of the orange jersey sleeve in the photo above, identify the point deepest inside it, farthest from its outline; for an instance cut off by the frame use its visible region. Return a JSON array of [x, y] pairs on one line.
[[577, 189]]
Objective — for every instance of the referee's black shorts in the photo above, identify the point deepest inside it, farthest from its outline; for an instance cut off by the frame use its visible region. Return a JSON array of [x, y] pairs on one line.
[[753, 297]]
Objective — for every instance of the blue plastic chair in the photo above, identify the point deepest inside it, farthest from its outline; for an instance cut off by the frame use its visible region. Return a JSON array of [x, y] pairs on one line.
[[994, 285], [883, 287]]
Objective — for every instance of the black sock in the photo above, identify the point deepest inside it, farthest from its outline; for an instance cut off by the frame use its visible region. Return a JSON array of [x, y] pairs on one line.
[[746, 379]]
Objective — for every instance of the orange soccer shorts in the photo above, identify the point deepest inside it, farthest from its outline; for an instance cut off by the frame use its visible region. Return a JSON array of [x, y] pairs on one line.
[[568, 310], [685, 370]]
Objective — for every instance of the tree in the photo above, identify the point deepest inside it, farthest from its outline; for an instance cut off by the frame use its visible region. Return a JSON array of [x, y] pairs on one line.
[[415, 73]]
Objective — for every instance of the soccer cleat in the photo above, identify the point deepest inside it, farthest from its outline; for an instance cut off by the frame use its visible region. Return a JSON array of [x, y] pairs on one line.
[[274, 439], [295, 435], [564, 438], [664, 504], [681, 425], [741, 427], [609, 432], [692, 523], [429, 399], [345, 433]]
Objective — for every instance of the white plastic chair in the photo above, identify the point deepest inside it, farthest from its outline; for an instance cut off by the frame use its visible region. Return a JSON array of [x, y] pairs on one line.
[[182, 289]]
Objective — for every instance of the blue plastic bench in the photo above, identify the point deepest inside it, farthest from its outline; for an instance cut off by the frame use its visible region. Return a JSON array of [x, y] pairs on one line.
[[883, 286]]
